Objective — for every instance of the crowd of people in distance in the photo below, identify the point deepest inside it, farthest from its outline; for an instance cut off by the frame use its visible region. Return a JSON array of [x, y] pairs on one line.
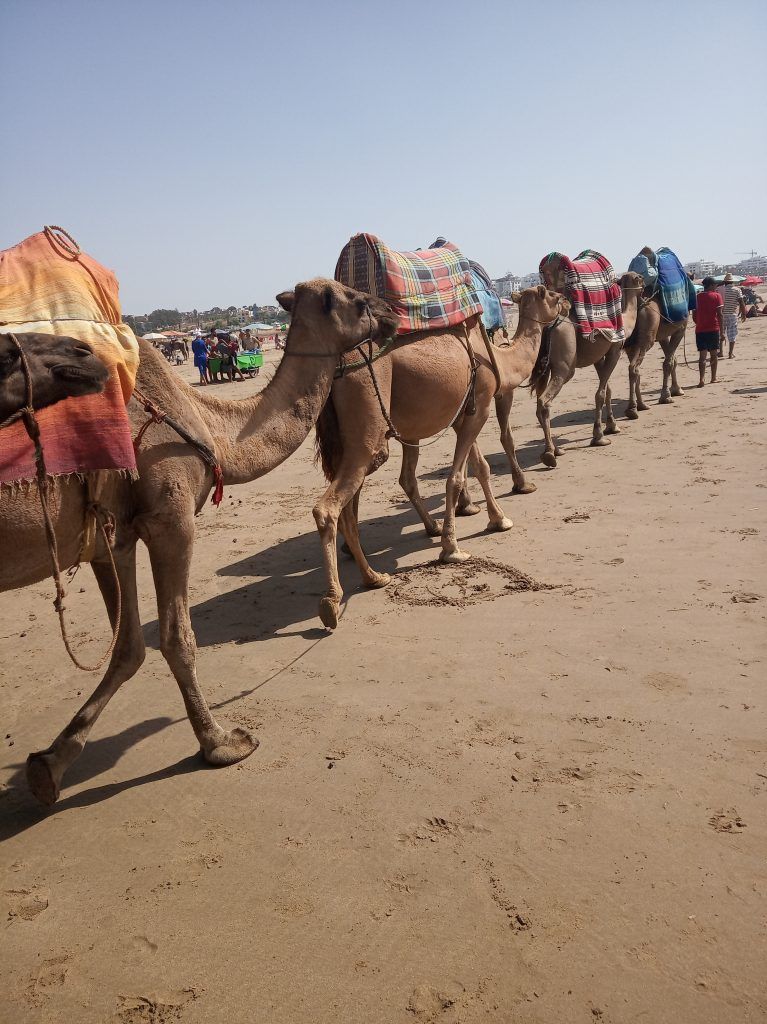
[[215, 356]]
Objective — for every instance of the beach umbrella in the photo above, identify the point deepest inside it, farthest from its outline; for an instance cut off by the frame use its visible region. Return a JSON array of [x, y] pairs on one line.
[[735, 279], [153, 336], [751, 281]]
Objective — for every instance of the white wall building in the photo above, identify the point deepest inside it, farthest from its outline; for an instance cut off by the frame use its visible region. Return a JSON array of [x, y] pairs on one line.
[[701, 268]]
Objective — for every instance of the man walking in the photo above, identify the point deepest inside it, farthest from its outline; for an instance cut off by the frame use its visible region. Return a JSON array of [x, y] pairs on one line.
[[709, 327], [734, 306]]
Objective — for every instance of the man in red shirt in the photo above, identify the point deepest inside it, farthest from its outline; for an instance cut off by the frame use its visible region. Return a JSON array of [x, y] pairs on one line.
[[709, 327]]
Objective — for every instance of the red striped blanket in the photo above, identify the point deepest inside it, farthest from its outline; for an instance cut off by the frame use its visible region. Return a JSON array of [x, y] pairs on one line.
[[589, 283], [428, 289]]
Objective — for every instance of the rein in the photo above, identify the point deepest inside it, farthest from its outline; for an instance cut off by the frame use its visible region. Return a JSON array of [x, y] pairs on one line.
[[104, 520], [208, 456]]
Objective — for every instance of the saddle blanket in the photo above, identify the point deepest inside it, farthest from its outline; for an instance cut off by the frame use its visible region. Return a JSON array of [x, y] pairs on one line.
[[594, 294], [49, 286], [665, 276], [428, 289]]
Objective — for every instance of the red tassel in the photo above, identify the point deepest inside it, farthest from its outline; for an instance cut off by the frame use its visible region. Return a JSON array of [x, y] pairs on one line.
[[218, 490]]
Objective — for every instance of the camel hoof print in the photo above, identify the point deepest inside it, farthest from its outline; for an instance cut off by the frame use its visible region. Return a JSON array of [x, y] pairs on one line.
[[329, 612], [236, 746]]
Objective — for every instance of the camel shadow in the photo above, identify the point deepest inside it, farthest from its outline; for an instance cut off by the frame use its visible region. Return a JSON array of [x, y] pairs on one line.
[[281, 603], [28, 813], [748, 391]]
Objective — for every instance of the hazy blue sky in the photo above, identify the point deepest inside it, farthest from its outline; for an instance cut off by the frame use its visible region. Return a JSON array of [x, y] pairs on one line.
[[218, 152]]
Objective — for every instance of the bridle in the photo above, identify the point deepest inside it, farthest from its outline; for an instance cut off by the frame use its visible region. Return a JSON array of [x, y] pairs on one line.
[[357, 345]]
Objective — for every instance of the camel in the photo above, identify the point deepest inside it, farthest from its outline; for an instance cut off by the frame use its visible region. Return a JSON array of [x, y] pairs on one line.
[[422, 384], [250, 437], [59, 367], [565, 350], [650, 327]]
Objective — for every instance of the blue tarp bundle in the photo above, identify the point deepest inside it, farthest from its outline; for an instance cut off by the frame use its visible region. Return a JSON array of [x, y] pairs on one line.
[[665, 276], [492, 312]]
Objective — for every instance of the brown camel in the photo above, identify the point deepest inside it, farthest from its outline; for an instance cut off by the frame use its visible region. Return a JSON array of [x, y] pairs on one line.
[[510, 381], [650, 327], [250, 438], [566, 350], [59, 367], [422, 383]]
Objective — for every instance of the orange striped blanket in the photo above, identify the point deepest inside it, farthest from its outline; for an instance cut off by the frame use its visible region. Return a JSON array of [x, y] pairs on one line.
[[49, 286]]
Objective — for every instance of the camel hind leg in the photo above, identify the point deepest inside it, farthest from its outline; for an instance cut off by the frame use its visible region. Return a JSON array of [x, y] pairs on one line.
[[46, 768], [603, 397], [348, 523]]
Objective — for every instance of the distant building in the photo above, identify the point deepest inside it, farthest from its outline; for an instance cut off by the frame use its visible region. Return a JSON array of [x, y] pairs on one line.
[[756, 265], [530, 280], [506, 285], [701, 268]]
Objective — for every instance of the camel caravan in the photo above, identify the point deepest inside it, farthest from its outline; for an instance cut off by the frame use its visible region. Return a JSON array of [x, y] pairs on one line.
[[102, 444]]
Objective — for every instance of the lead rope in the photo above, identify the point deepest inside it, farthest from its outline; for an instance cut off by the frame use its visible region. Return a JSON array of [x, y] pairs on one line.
[[104, 521]]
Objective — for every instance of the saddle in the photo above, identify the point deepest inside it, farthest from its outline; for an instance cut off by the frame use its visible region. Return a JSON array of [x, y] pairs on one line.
[[48, 286], [428, 289], [594, 294]]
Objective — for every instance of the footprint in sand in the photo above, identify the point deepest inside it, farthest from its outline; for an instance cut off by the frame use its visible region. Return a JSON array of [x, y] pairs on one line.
[[26, 904], [154, 1009], [666, 682]]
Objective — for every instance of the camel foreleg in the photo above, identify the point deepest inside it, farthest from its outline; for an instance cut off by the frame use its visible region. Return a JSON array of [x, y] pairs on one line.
[[503, 403], [551, 451], [327, 511], [409, 484], [669, 369], [170, 553], [46, 768], [603, 397]]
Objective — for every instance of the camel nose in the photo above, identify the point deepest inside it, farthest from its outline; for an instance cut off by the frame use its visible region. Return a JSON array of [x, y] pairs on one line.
[[81, 349]]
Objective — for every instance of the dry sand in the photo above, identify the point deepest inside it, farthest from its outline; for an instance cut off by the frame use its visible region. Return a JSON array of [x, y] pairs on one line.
[[474, 801]]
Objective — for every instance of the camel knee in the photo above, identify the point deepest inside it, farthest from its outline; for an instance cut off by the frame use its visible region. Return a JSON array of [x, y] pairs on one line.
[[325, 518]]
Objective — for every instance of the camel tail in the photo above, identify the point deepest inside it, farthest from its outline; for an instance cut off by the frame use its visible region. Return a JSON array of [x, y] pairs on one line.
[[329, 445], [541, 372]]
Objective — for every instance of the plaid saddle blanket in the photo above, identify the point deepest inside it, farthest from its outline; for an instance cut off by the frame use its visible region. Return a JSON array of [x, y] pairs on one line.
[[48, 286], [590, 285], [428, 289]]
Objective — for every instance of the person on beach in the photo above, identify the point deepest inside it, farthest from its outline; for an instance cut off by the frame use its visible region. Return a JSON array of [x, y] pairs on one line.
[[234, 348], [709, 327], [734, 306], [200, 352]]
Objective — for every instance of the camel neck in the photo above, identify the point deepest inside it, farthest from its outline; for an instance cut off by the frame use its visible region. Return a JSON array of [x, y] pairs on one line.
[[517, 360], [254, 435]]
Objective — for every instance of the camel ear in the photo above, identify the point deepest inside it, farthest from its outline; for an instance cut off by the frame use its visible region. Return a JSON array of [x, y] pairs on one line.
[[541, 291], [327, 299], [286, 300], [516, 297], [564, 306]]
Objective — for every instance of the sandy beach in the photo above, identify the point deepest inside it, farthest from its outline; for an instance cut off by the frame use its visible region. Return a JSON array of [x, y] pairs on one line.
[[529, 789]]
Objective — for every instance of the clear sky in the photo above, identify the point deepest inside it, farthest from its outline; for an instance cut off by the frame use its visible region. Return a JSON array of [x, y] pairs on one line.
[[218, 152]]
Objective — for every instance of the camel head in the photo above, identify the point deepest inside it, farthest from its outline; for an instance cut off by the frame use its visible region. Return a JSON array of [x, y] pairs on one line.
[[632, 287], [60, 368], [541, 304], [327, 313]]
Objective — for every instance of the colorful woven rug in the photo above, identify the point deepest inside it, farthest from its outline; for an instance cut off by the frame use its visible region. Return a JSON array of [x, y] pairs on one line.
[[47, 285], [428, 289], [590, 285]]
